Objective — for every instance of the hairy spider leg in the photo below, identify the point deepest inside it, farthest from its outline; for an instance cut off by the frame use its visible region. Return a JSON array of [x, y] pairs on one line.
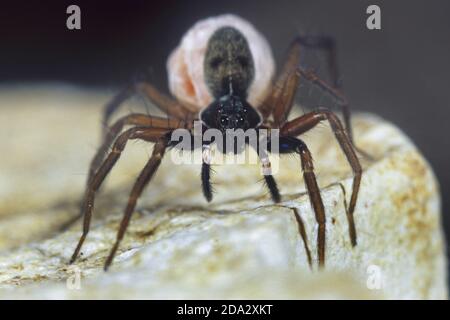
[[308, 121], [270, 182], [141, 133], [294, 145], [206, 172], [288, 80], [163, 102], [135, 119], [144, 178]]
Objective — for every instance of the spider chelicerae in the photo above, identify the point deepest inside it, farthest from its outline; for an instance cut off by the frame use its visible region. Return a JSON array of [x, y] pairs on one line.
[[229, 72]]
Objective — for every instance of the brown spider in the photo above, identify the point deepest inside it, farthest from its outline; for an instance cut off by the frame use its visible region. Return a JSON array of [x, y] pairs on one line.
[[229, 71]]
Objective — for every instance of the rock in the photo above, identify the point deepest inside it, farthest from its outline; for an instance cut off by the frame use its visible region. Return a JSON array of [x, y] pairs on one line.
[[239, 246]]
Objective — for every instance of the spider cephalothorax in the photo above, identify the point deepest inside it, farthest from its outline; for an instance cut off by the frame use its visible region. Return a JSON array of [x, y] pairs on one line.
[[230, 112], [229, 71]]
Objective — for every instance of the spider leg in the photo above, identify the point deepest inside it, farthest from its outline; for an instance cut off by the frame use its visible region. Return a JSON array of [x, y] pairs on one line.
[[206, 172], [291, 63], [166, 104], [285, 101], [340, 99], [144, 178], [272, 186], [308, 121], [206, 175], [136, 119], [280, 100], [328, 45], [147, 134], [302, 232], [113, 131], [267, 173], [288, 145]]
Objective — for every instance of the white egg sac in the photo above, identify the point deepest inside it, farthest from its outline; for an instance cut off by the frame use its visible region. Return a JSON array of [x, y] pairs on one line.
[[185, 63]]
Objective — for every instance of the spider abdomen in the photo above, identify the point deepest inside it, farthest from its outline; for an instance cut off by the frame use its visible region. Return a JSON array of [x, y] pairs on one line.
[[228, 66]]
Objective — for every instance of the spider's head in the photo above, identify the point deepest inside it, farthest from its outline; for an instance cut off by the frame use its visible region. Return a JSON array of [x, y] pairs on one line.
[[228, 61], [230, 112]]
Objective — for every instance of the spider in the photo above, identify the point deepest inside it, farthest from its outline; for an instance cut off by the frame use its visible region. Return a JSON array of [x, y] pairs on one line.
[[229, 71]]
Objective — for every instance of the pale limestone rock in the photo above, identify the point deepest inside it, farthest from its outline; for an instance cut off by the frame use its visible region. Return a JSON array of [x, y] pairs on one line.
[[239, 246]]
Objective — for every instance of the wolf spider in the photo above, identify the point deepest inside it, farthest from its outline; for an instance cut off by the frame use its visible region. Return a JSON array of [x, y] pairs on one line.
[[229, 71]]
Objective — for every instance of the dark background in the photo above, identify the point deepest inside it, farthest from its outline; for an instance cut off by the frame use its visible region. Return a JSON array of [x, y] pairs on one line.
[[400, 72]]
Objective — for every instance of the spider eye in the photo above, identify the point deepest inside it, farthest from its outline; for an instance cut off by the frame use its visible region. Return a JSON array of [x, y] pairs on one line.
[[215, 62], [224, 120], [240, 120]]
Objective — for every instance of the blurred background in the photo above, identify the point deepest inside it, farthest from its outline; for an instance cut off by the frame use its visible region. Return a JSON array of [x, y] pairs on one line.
[[400, 72]]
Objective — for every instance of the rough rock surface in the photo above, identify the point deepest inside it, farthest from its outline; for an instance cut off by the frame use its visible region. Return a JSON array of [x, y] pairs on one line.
[[178, 246]]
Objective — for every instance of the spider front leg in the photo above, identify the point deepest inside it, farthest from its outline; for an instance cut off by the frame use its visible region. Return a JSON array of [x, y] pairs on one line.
[[135, 119], [267, 172], [289, 145], [165, 103], [341, 100], [310, 120], [281, 98], [266, 166], [146, 134], [320, 42], [327, 45], [144, 178], [206, 172], [270, 181]]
